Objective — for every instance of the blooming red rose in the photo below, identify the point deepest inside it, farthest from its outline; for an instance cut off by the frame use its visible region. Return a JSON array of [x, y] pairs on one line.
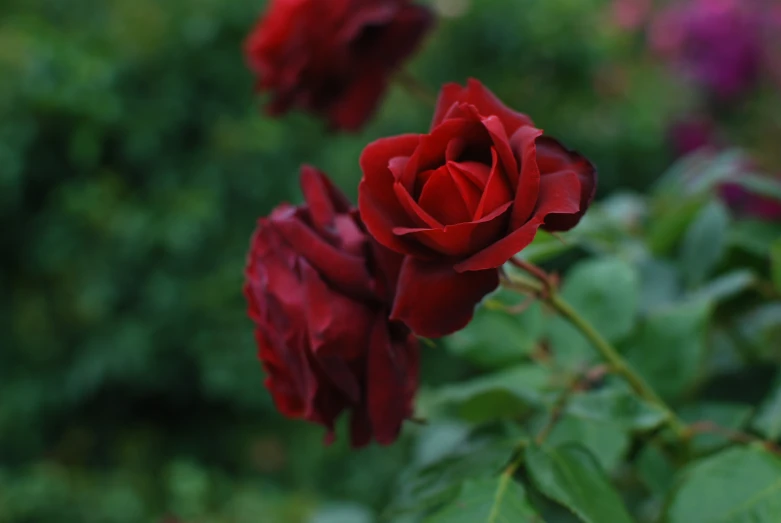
[[333, 57], [462, 200], [318, 289]]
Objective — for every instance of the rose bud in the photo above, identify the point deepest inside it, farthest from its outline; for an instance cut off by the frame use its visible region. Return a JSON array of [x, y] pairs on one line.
[[333, 58], [460, 201], [319, 289]]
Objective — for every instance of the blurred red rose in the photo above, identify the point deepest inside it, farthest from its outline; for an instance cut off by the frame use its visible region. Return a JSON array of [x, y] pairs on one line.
[[333, 57], [462, 200], [318, 289]]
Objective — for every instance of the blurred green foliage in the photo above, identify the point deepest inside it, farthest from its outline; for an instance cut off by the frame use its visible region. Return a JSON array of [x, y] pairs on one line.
[[134, 161]]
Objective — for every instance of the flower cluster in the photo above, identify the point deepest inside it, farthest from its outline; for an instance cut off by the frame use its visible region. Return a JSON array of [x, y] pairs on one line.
[[338, 293]]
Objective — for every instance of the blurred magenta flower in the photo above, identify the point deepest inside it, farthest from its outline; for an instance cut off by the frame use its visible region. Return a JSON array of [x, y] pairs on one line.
[[691, 134], [716, 43], [749, 204]]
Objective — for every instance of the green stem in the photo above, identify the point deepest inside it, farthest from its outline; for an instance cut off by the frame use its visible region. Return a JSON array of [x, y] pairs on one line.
[[617, 364], [415, 88]]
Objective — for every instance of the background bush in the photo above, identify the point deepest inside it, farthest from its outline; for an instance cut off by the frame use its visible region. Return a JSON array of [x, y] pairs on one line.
[[134, 161]]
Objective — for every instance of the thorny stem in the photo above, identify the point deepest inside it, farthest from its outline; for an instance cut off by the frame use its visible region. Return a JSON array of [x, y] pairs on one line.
[[704, 427], [544, 289]]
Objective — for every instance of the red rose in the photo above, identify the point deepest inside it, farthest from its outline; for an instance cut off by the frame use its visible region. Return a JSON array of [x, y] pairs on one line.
[[333, 57], [462, 200], [318, 290]]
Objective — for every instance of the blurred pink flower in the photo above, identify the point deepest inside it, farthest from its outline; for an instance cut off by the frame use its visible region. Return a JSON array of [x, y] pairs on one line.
[[630, 14]]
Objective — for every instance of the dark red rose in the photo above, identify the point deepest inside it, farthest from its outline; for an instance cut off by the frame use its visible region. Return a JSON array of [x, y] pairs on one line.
[[462, 200], [318, 289], [333, 57]]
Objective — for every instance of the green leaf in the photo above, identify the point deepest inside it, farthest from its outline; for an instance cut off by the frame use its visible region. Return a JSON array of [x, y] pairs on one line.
[[655, 470], [753, 236], [571, 350], [725, 287], [488, 500], [732, 416], [768, 419], [571, 476], [494, 396], [342, 513], [606, 292], [606, 441], [760, 185], [705, 243], [669, 347], [428, 487], [546, 246], [659, 283], [495, 338], [617, 406], [762, 328], [738, 485], [669, 223], [775, 264], [699, 172]]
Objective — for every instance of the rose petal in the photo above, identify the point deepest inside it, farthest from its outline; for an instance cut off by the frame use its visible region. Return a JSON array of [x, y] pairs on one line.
[[391, 366], [449, 95], [496, 192], [559, 193], [360, 428], [358, 103], [442, 199], [552, 156], [434, 300], [379, 207], [288, 393], [461, 239], [528, 188], [323, 199], [336, 324], [487, 104], [464, 176], [415, 212], [430, 153], [502, 146], [345, 271]]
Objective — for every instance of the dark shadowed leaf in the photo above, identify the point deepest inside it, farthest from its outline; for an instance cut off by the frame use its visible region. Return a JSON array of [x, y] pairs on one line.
[[655, 469], [753, 236], [768, 418], [775, 264]]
